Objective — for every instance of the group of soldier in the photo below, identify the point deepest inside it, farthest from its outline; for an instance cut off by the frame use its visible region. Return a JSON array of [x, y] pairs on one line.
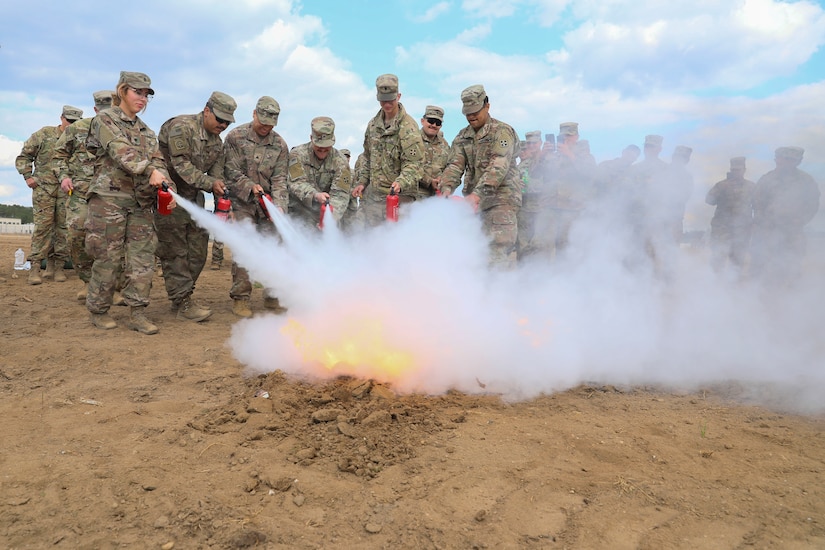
[[95, 182]]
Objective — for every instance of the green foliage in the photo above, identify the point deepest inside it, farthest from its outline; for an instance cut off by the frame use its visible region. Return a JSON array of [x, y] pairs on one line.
[[25, 213]]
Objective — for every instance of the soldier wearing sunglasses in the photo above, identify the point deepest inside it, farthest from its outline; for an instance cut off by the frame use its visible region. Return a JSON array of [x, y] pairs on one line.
[[436, 151]]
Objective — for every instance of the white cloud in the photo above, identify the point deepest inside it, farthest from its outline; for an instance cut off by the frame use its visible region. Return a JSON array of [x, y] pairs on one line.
[[9, 149], [486, 8], [433, 12]]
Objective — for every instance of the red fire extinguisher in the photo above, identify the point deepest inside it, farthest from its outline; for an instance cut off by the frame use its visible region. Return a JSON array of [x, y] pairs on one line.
[[223, 206], [164, 199], [392, 206], [324, 207], [262, 202]]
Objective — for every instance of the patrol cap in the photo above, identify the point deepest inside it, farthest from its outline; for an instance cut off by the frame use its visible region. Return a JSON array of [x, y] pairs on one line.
[[737, 162], [323, 131], [346, 153], [268, 110], [72, 113], [223, 106], [473, 99], [139, 81], [569, 128], [654, 140], [103, 98], [533, 137], [387, 87], [434, 111], [794, 153], [682, 151]]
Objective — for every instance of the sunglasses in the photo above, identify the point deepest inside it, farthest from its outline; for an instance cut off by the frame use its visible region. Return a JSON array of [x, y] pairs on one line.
[[220, 120], [434, 121]]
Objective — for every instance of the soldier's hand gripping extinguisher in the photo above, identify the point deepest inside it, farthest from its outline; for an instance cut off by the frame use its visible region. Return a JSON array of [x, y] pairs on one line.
[[392, 206], [324, 207], [164, 199], [262, 202], [223, 206]]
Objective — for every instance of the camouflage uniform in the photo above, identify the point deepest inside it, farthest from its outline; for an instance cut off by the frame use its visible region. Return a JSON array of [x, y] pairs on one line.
[[254, 160], [120, 205], [352, 221], [730, 228], [436, 154], [72, 160], [195, 160], [534, 200], [49, 237], [393, 151], [486, 158], [784, 201], [309, 175]]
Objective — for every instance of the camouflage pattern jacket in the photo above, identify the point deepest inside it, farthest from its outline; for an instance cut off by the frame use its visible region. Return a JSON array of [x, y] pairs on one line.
[[392, 153], [733, 199], [487, 160], [309, 175], [436, 154], [785, 200], [125, 152], [194, 156], [39, 150], [72, 159], [252, 160]]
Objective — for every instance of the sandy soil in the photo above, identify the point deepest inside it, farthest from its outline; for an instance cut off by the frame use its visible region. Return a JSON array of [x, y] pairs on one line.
[[119, 440]]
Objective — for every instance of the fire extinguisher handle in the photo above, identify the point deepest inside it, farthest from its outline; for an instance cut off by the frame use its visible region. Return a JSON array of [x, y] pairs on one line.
[[165, 186]]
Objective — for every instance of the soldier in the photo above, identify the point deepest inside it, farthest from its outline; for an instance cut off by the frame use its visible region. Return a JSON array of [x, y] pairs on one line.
[[193, 150], [636, 188], [436, 151], [730, 228], [531, 181], [122, 195], [318, 174], [393, 154], [49, 237], [610, 173], [217, 255], [74, 167], [784, 201], [485, 152], [256, 164]]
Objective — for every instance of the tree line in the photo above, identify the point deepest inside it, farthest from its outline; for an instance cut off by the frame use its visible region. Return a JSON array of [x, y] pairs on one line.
[[24, 213]]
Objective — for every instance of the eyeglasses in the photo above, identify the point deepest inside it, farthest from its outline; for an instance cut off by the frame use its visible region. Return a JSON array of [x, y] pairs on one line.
[[142, 93], [434, 121]]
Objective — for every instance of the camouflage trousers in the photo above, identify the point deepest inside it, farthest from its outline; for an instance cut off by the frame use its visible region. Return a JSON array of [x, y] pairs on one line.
[[182, 249], [49, 240], [500, 224], [729, 244], [217, 252], [373, 209], [241, 284], [76, 213], [117, 229], [350, 221]]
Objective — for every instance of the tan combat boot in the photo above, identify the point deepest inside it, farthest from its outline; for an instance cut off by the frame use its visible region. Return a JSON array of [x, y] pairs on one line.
[[59, 274], [191, 311], [240, 307], [275, 305], [81, 294], [102, 320], [139, 322], [34, 274], [49, 273]]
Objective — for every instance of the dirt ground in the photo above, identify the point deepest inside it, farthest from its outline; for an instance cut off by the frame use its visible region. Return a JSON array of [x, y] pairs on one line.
[[113, 439]]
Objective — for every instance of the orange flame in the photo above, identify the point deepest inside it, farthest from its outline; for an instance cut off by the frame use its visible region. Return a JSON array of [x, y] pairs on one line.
[[363, 346]]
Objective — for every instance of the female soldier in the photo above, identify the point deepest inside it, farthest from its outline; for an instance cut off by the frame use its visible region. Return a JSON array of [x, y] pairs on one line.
[[122, 196]]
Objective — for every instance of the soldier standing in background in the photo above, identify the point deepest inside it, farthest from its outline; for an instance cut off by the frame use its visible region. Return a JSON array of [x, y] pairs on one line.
[[122, 195], [318, 175], [74, 167], [256, 164], [393, 154], [730, 228], [484, 153], [436, 151], [193, 151], [49, 205], [609, 173], [528, 242], [784, 201]]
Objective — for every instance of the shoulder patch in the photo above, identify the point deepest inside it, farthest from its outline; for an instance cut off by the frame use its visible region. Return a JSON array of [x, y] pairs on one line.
[[178, 144], [296, 169]]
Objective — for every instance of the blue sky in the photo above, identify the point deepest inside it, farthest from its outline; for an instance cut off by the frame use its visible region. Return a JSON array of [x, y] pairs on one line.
[[726, 78]]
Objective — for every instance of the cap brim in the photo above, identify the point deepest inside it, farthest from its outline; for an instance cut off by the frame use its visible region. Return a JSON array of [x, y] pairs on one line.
[[323, 142], [267, 120], [223, 115], [386, 97], [470, 109]]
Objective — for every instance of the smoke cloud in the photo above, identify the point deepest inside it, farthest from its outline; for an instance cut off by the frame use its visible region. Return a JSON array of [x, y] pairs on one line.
[[413, 304]]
